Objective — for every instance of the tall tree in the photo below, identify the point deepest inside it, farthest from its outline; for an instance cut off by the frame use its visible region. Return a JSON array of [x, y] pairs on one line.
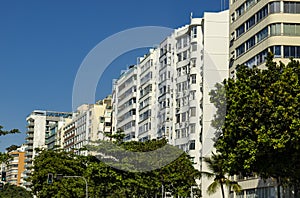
[[260, 131], [218, 173]]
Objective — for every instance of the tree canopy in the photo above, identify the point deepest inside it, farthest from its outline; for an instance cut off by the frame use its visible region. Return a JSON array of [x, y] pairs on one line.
[[258, 120], [106, 181]]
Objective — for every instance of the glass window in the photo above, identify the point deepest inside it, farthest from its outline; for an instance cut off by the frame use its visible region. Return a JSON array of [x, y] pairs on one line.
[[193, 111], [192, 128], [240, 10], [274, 7], [291, 7], [262, 13], [240, 30], [291, 51], [250, 43], [194, 32], [262, 34], [192, 145], [240, 50], [276, 50], [194, 47], [249, 3], [289, 29], [193, 78], [250, 22], [275, 29]]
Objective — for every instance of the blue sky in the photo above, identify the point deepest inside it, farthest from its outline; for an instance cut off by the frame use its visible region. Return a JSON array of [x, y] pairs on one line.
[[42, 45]]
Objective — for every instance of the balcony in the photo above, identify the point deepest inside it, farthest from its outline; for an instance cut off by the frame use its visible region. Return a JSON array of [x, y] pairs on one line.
[[28, 154], [29, 148], [28, 166], [29, 136], [28, 160]]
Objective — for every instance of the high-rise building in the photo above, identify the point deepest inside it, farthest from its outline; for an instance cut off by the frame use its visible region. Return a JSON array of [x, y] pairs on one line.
[[256, 28], [125, 103], [38, 128], [15, 166], [166, 94], [84, 128], [261, 26]]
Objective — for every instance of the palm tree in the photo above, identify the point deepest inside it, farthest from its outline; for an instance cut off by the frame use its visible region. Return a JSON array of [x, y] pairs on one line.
[[218, 172]]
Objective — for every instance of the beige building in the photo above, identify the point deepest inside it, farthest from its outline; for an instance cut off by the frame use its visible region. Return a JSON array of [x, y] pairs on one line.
[[256, 28], [15, 166], [87, 125], [260, 26]]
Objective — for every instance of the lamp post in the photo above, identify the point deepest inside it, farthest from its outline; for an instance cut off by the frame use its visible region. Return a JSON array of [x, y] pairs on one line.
[[86, 184]]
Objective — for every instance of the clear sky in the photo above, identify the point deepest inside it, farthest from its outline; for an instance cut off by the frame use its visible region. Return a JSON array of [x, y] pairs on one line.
[[42, 45]]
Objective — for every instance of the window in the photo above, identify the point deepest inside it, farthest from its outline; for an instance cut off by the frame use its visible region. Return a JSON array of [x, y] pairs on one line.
[[261, 57], [193, 78], [193, 111], [249, 3], [291, 29], [240, 30], [193, 62], [274, 7], [240, 10], [183, 133], [262, 34], [184, 55], [291, 51], [194, 47], [192, 128], [250, 22], [276, 50], [240, 50], [192, 145], [179, 57], [275, 29], [194, 32], [262, 13], [192, 95], [291, 7], [250, 43], [183, 117]]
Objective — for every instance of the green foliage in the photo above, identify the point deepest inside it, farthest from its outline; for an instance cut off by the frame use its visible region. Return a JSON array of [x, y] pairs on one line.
[[260, 132], [13, 191], [106, 181], [5, 132], [215, 164], [12, 148]]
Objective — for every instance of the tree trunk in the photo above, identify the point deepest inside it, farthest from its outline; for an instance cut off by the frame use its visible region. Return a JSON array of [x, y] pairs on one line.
[[222, 189]]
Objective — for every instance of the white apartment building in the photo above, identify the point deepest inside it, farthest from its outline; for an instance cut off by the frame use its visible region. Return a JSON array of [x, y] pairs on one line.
[[174, 102], [147, 102], [39, 125], [125, 95]]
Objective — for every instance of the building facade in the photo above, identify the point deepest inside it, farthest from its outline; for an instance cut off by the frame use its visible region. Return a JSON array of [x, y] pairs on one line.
[[89, 123], [256, 28], [15, 166], [261, 26], [166, 94], [38, 128]]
